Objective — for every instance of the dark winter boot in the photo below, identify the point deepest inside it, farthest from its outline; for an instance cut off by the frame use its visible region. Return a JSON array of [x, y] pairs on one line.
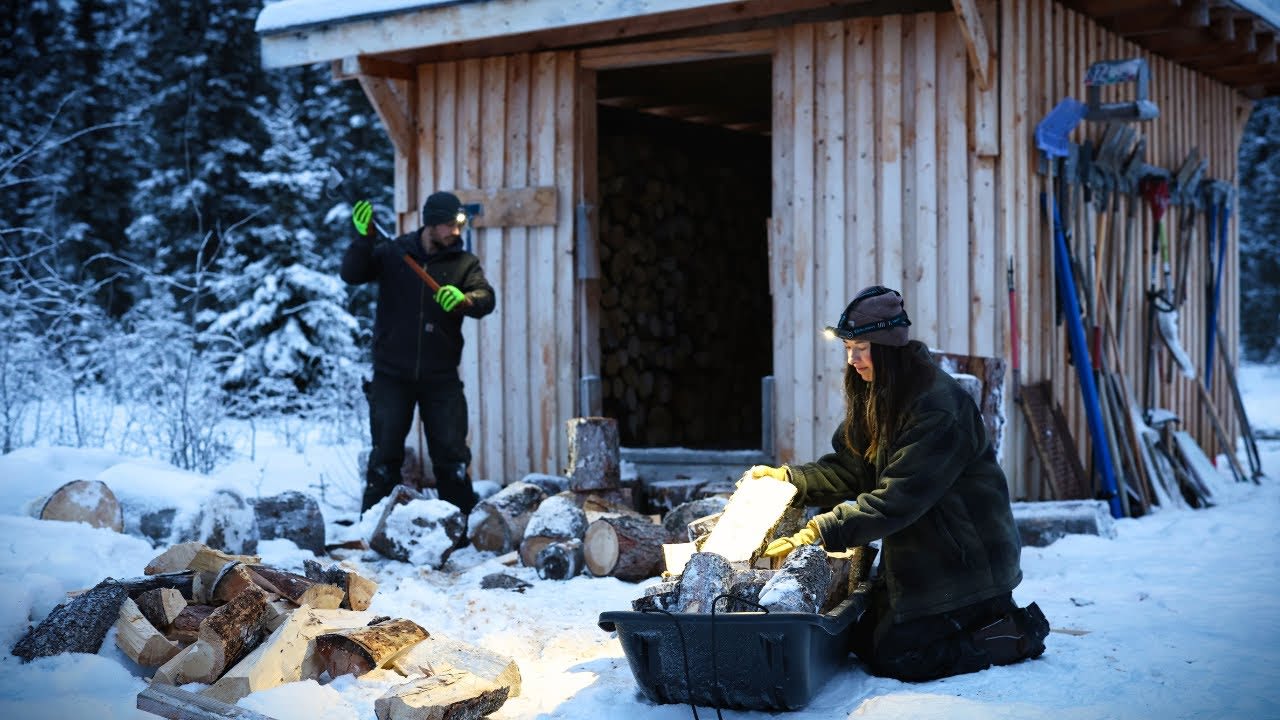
[[1015, 636]]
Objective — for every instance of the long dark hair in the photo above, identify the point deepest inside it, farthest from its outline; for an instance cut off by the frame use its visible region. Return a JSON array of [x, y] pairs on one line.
[[874, 409]]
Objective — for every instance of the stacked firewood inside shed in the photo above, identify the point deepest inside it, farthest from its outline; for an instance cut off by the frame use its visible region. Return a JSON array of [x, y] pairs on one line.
[[722, 565], [199, 615]]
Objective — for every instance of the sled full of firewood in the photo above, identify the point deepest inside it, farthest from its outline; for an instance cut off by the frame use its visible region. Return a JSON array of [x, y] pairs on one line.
[[742, 660]]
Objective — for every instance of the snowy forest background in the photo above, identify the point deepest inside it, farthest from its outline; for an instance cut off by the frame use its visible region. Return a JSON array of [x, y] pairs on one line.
[[173, 217]]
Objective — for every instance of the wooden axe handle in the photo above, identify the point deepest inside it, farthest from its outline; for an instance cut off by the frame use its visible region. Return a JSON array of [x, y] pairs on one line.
[[430, 281]]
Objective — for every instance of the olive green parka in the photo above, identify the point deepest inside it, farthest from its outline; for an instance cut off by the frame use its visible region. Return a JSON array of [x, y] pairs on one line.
[[935, 495]]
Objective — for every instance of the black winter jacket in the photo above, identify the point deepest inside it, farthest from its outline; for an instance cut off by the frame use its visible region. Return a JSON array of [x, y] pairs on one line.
[[937, 497], [413, 337]]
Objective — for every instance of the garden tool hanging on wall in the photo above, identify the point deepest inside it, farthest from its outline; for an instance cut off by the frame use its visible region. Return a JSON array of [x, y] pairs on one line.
[[1162, 309]]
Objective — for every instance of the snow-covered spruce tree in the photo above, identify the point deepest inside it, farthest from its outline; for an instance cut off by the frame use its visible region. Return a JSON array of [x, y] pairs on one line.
[[1260, 233], [199, 129], [294, 342]]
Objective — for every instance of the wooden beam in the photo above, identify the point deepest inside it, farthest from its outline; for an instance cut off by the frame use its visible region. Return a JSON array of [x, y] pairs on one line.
[[512, 207], [663, 52], [975, 39], [351, 67], [394, 109]]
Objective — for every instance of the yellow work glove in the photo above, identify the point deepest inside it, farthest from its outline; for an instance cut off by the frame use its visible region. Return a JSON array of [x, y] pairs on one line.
[[777, 473], [779, 549]]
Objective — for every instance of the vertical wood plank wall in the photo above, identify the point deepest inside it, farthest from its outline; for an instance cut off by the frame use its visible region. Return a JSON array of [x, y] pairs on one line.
[[1045, 50], [891, 166], [875, 183], [509, 122]]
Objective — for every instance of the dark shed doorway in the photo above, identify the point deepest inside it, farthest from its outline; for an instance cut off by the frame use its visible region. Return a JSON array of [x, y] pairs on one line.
[[684, 182]]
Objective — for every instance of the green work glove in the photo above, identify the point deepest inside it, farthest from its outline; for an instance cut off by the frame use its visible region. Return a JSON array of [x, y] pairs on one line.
[[779, 549], [449, 297], [361, 214]]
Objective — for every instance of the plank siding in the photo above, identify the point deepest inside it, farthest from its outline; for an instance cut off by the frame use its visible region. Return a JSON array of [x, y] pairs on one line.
[[889, 165]]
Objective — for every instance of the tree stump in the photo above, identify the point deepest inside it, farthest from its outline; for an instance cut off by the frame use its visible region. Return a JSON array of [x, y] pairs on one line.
[[560, 560], [628, 547], [78, 625], [594, 457], [497, 523], [86, 501]]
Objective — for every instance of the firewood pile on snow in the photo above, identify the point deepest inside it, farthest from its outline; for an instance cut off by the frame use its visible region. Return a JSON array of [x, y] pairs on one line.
[[207, 610]]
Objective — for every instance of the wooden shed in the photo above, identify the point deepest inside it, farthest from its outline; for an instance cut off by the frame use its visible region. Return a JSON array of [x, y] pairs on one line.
[[679, 194]]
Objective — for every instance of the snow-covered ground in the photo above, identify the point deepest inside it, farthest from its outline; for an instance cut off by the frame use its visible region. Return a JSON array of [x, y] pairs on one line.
[[1176, 617]]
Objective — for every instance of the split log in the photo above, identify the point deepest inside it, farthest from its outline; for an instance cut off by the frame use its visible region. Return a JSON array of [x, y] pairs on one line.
[[180, 581], [439, 654], [849, 568], [677, 521], [626, 547], [86, 501], [234, 579], [497, 523], [227, 635], [196, 557], [594, 457], [359, 650], [675, 555], [358, 590], [753, 511], [560, 560], [705, 577], [161, 606], [296, 588], [178, 704], [457, 695], [287, 655], [658, 596], [699, 529], [801, 584], [745, 590], [186, 626], [78, 625], [139, 640]]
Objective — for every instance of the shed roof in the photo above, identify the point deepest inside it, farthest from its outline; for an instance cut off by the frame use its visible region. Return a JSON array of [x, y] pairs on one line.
[[1231, 41]]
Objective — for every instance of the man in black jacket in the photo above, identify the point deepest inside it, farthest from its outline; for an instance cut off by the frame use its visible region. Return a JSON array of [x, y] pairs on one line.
[[417, 345]]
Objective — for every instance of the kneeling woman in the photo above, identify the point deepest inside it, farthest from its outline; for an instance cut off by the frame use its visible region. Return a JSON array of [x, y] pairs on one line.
[[912, 466]]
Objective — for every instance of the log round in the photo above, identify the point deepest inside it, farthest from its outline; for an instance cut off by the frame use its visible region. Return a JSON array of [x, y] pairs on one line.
[[627, 547], [86, 501], [497, 523], [594, 459], [560, 560]]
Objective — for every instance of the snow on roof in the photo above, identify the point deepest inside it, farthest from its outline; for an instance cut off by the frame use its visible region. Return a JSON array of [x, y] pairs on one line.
[[289, 15], [1267, 10]]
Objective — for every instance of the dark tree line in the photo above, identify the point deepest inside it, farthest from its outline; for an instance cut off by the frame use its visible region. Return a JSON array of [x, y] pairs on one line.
[[159, 184], [1260, 233]]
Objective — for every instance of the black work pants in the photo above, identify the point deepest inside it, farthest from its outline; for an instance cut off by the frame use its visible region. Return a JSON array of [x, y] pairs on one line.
[[926, 648], [443, 408]]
